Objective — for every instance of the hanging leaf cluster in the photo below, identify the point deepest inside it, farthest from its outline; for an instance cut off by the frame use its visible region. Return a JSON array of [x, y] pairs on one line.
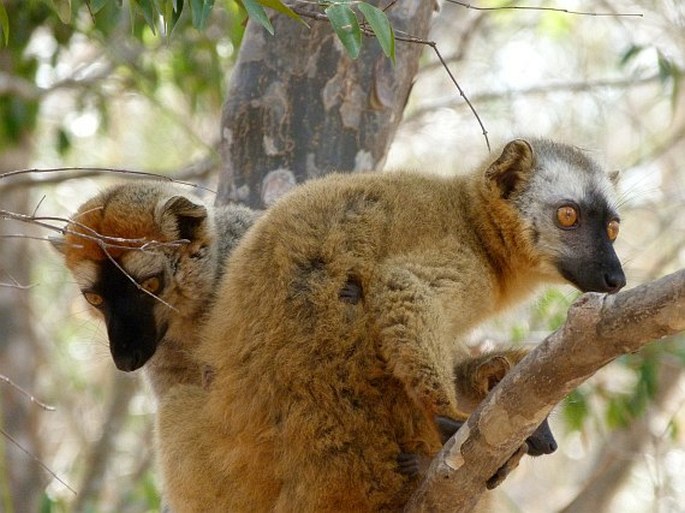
[[345, 22], [349, 19]]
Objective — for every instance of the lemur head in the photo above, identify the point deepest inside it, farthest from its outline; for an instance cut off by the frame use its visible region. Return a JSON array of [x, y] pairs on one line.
[[568, 204], [141, 255]]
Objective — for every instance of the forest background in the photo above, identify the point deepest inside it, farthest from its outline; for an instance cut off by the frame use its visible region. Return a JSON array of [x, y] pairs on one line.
[[106, 90]]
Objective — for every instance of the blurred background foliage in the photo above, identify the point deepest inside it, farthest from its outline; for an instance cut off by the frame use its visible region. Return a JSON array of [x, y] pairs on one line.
[[111, 84]]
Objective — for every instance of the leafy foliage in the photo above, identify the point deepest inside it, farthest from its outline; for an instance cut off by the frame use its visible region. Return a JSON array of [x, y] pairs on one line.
[[130, 53], [345, 22], [163, 16]]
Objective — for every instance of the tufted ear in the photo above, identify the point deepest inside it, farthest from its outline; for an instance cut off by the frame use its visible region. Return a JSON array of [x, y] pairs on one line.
[[512, 167], [183, 216], [491, 372]]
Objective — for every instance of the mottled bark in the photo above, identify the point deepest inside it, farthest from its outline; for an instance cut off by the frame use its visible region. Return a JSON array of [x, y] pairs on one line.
[[299, 107], [599, 328]]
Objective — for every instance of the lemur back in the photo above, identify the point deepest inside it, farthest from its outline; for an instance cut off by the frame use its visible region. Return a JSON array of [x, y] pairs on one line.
[[148, 256], [313, 396]]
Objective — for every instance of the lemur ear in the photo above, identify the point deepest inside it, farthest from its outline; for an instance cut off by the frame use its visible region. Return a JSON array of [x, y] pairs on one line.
[[181, 214], [491, 372], [511, 167]]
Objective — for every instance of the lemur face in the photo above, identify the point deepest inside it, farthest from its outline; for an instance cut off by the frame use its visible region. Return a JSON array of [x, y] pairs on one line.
[[126, 293], [140, 256], [570, 203]]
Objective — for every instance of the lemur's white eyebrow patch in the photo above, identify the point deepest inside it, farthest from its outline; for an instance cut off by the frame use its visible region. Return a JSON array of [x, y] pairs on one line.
[[565, 182]]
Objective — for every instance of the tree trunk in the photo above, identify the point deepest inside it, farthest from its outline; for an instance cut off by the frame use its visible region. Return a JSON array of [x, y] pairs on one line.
[[299, 107]]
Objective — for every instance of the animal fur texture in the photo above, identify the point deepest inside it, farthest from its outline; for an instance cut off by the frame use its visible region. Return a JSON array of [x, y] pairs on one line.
[[474, 379], [314, 396], [148, 256]]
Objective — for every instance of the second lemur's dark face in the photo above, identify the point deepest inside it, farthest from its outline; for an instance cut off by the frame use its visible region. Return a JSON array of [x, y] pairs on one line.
[[570, 205], [127, 304], [142, 257]]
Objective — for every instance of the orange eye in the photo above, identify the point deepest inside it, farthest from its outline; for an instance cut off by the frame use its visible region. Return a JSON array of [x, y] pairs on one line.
[[152, 285], [567, 216], [612, 229], [93, 298]]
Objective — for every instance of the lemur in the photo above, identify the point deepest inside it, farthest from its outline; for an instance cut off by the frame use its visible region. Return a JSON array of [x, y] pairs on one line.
[[313, 397], [147, 255]]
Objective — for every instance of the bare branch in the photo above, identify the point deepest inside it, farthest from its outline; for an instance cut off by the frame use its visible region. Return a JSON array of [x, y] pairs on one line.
[[86, 171], [14, 283], [552, 9], [599, 328], [27, 394], [37, 460]]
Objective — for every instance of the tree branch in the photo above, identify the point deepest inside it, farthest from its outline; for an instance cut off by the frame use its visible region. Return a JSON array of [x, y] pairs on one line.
[[599, 328]]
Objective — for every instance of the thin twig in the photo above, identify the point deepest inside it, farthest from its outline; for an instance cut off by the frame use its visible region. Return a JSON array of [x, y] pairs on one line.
[[552, 9], [461, 92], [90, 169], [14, 283], [37, 460], [31, 397]]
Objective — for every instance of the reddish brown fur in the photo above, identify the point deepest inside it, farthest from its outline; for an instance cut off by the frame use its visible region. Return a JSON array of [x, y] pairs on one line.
[[109, 216]]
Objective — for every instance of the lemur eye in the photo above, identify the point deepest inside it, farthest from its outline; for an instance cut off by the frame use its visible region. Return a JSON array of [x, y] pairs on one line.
[[567, 216], [152, 284], [94, 299], [612, 229]]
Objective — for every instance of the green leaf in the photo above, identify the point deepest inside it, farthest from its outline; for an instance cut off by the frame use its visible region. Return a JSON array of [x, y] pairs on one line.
[[380, 25], [172, 13], [62, 8], [149, 13], [4, 23], [666, 67], [258, 14], [632, 52], [96, 6], [200, 10], [576, 409], [346, 26], [278, 5], [63, 142]]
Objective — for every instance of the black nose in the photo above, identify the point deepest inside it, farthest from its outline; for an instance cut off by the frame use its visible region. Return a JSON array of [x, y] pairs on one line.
[[614, 281], [538, 446], [130, 361]]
